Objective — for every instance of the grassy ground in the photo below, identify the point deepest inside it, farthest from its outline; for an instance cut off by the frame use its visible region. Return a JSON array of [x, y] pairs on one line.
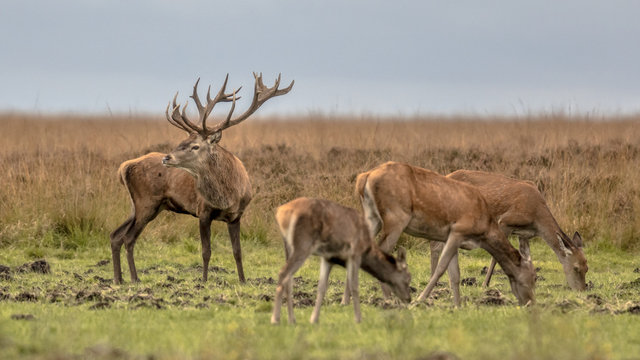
[[170, 314], [60, 199]]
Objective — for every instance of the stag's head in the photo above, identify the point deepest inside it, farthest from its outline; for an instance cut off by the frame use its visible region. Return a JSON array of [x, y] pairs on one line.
[[203, 140]]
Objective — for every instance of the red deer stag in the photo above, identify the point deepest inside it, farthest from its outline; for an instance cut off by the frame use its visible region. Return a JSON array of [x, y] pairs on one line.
[[339, 235], [400, 198], [219, 188], [152, 188], [520, 209]]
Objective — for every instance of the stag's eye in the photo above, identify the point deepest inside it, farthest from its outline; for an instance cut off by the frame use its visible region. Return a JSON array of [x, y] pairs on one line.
[[195, 147]]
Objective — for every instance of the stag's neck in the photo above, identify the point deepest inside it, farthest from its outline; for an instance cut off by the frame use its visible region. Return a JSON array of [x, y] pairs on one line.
[[376, 263], [222, 180]]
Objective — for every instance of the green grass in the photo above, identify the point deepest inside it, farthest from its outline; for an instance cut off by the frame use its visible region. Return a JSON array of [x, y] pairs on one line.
[[170, 314]]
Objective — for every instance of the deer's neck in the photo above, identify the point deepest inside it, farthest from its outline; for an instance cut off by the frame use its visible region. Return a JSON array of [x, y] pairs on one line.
[[375, 262], [509, 259], [222, 179]]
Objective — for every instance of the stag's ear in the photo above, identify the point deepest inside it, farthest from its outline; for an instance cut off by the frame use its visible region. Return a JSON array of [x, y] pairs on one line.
[[577, 240], [214, 138]]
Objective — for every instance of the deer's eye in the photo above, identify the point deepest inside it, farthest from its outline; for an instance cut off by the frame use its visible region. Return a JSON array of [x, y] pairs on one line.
[[195, 147]]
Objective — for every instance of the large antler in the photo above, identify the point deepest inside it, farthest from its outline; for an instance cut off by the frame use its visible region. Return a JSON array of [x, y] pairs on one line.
[[261, 94], [181, 120]]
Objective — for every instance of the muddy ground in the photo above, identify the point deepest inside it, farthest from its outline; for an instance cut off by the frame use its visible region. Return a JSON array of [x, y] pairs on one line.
[[180, 287]]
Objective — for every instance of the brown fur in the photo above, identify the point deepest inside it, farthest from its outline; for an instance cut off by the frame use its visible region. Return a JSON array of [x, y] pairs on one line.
[[520, 209], [400, 198], [338, 235], [153, 188]]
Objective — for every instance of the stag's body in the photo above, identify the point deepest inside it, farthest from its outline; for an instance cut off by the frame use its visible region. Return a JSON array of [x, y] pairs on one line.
[[400, 198], [338, 235], [521, 210], [152, 188]]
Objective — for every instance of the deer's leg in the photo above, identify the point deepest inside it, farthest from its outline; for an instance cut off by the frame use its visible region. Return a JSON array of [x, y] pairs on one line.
[[144, 215], [492, 266], [392, 227], [325, 269], [295, 261], [234, 235], [205, 240], [449, 251], [117, 239], [346, 297], [289, 287], [435, 248], [454, 278], [353, 266]]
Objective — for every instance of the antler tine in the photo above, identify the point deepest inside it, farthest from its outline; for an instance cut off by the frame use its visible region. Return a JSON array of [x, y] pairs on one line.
[[220, 97], [196, 99], [174, 117], [187, 122], [261, 94]]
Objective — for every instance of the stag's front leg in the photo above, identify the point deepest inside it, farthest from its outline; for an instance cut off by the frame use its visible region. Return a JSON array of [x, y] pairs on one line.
[[205, 240], [234, 236], [325, 269]]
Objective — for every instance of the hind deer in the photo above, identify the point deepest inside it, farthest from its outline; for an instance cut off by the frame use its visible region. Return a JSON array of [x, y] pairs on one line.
[[521, 210], [218, 188], [338, 235], [398, 198]]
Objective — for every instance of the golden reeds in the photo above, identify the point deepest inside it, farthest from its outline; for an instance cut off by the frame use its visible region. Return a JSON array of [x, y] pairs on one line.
[[59, 172]]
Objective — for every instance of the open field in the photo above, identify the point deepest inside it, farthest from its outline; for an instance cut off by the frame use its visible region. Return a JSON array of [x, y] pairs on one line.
[[60, 198]]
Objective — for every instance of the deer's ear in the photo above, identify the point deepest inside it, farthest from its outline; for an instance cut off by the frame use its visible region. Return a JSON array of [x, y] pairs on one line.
[[215, 137], [563, 246], [577, 240]]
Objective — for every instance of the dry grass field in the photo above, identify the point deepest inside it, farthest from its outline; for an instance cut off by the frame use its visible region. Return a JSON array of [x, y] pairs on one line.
[[60, 198], [59, 173]]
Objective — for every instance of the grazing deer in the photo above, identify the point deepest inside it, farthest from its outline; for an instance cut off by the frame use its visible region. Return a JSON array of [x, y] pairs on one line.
[[400, 198], [339, 235], [520, 209], [152, 188]]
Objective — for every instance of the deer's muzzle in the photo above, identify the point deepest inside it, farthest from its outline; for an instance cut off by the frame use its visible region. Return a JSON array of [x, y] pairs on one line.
[[166, 159]]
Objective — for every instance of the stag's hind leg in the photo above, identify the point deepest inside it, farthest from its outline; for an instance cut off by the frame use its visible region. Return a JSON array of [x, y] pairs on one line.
[[117, 240]]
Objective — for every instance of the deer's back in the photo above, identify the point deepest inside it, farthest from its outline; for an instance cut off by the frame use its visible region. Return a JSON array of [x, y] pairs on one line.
[[504, 194], [149, 183]]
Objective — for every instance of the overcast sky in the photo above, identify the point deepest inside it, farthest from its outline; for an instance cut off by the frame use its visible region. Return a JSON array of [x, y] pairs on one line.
[[371, 57]]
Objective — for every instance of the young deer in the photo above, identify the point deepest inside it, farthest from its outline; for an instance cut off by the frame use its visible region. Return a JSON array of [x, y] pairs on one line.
[[520, 209], [152, 188], [339, 235], [402, 198]]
